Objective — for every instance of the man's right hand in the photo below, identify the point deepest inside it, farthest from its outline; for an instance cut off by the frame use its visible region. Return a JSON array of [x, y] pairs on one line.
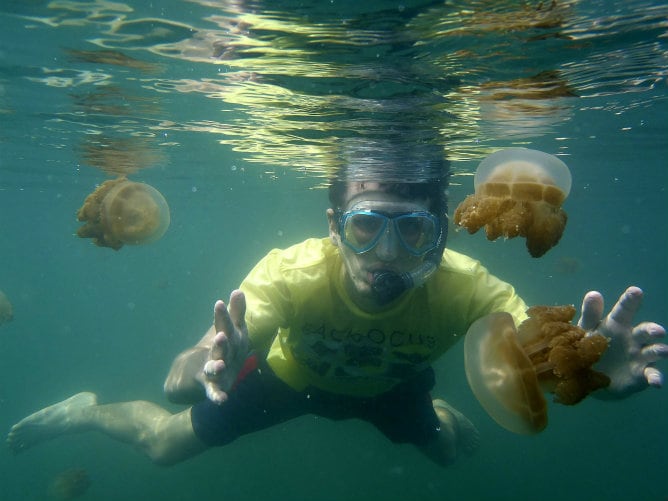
[[229, 348]]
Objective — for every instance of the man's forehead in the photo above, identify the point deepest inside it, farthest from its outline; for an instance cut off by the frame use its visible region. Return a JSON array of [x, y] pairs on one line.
[[357, 192], [355, 188]]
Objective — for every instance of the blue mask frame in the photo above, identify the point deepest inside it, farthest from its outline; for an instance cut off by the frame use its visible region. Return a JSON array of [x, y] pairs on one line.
[[418, 231]]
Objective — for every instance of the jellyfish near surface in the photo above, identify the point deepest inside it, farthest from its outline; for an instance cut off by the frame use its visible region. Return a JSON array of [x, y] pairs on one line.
[[518, 192], [121, 212], [509, 369]]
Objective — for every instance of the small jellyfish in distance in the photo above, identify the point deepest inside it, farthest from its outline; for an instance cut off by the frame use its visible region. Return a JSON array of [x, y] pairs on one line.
[[121, 212], [518, 192], [6, 310], [69, 484]]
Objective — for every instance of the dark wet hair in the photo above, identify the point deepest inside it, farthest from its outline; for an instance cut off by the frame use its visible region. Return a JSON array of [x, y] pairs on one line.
[[434, 191], [412, 170]]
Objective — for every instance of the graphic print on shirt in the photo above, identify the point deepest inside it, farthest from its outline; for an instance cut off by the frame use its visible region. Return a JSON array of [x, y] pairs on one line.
[[359, 354]]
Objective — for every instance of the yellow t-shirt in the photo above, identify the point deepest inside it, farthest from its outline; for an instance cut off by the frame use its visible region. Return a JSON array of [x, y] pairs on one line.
[[297, 309]]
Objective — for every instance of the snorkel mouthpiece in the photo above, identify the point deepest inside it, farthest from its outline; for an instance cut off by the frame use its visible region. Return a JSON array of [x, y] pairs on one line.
[[389, 285]]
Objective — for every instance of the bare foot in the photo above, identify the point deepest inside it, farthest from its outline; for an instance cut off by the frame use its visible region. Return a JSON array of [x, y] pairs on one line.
[[48, 423], [465, 436]]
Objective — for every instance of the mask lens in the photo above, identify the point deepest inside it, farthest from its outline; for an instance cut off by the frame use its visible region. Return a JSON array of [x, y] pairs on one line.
[[418, 231], [362, 230]]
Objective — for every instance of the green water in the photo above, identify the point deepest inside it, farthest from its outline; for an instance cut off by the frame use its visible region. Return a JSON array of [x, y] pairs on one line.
[[233, 113]]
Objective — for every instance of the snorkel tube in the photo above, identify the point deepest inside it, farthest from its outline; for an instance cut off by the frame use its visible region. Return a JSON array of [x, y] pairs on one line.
[[389, 285]]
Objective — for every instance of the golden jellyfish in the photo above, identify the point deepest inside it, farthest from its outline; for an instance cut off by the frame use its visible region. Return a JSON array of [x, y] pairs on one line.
[[518, 192], [123, 212], [69, 484], [509, 369], [6, 310]]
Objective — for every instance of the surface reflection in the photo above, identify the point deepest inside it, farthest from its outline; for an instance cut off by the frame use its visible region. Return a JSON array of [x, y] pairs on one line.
[[120, 156], [288, 79]]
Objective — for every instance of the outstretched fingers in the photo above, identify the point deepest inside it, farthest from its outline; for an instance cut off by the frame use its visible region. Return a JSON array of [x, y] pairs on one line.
[[633, 351], [591, 312], [627, 306], [653, 376], [228, 348], [214, 393], [214, 368], [229, 322], [221, 319], [646, 334], [222, 342], [237, 309], [213, 375]]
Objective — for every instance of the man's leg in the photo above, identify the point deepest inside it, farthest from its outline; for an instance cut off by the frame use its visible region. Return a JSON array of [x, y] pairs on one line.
[[166, 438], [407, 414], [457, 437]]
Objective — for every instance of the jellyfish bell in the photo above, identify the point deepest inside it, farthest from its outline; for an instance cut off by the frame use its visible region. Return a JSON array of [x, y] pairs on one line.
[[523, 174], [518, 192], [509, 369], [135, 213], [121, 212], [501, 376]]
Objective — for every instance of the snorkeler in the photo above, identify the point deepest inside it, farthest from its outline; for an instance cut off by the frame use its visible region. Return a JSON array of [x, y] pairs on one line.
[[346, 326]]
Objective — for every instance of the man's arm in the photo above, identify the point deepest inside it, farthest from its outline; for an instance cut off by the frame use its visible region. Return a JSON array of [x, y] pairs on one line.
[[183, 384]]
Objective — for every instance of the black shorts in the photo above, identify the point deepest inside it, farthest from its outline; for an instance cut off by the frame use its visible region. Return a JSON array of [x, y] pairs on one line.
[[260, 399]]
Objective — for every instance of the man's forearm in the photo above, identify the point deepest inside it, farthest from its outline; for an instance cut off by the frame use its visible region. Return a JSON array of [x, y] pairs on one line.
[[183, 385]]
